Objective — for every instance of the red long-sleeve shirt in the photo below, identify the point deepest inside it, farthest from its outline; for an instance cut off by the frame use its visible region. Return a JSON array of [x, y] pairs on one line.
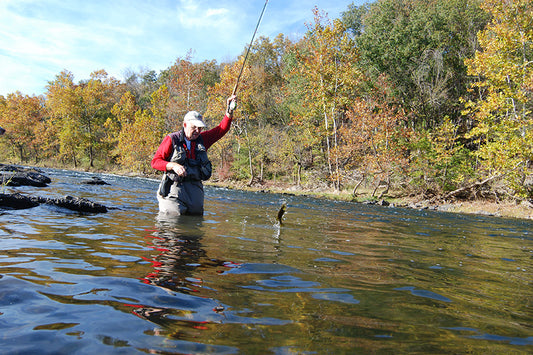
[[164, 152]]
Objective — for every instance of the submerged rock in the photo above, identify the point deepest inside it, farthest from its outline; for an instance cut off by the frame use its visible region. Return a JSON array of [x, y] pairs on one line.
[[383, 203], [95, 181]]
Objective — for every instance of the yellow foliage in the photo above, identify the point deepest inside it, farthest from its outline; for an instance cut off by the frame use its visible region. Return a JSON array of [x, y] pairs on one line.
[[503, 115], [141, 130]]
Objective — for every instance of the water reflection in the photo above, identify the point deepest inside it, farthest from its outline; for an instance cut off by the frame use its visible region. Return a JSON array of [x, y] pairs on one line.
[[176, 242], [178, 253], [334, 278]]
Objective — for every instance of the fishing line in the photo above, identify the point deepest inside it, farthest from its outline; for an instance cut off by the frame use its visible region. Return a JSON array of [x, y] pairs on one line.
[[248, 50]]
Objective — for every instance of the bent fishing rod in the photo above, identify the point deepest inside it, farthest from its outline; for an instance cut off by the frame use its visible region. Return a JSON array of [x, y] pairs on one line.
[[232, 105], [248, 50]]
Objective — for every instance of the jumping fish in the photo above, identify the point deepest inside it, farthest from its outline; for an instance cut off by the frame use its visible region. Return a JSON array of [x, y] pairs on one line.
[[281, 212]]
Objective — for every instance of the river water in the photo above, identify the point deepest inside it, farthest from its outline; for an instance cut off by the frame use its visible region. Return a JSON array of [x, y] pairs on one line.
[[334, 278]]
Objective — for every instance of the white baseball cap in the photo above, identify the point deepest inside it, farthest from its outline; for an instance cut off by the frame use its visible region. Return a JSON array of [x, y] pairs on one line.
[[194, 118]]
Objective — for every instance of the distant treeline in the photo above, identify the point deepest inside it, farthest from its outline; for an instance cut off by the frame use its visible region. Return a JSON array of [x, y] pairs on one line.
[[426, 97]]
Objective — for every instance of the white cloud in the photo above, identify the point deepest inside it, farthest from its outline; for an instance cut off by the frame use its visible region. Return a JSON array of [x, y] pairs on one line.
[[200, 15], [216, 12]]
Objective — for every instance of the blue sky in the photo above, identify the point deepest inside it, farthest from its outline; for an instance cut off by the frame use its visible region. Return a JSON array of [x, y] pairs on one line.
[[40, 38]]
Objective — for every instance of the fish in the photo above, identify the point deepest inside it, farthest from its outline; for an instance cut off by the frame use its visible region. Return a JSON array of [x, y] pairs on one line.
[[281, 212]]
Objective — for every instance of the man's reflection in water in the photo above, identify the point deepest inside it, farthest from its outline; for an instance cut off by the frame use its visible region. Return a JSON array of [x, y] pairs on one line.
[[178, 253], [178, 250]]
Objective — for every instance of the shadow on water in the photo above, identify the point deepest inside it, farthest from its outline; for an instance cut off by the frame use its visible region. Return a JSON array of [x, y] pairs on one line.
[[334, 278]]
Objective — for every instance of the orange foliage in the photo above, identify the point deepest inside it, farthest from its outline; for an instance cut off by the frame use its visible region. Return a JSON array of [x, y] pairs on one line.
[[372, 139], [21, 115]]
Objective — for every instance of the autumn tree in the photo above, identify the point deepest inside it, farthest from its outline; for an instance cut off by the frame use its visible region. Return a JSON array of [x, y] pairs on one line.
[[188, 84], [244, 145], [60, 101], [21, 116], [95, 99], [503, 114], [141, 131], [373, 146], [119, 123], [79, 111], [325, 77], [260, 114], [262, 109], [222, 154]]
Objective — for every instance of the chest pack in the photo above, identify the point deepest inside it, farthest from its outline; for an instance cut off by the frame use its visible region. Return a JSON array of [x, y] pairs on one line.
[[195, 160]]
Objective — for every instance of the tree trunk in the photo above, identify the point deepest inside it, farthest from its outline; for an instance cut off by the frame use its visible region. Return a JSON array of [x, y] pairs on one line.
[[472, 186], [21, 152], [91, 157], [251, 166], [357, 185], [382, 183]]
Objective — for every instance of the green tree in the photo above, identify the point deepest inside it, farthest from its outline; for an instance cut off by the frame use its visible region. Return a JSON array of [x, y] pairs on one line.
[[421, 46], [266, 68], [141, 84], [353, 18]]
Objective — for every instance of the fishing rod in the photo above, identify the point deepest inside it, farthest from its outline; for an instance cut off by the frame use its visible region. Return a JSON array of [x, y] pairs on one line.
[[248, 50]]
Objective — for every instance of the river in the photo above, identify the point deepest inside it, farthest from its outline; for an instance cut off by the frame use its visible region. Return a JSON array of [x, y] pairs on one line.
[[334, 278]]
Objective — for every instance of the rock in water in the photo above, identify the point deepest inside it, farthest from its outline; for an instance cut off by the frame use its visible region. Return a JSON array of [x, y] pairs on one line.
[[17, 201], [78, 204], [95, 180], [11, 175]]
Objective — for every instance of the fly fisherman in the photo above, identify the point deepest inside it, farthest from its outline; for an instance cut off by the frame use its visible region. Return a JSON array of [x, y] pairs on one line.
[[183, 157]]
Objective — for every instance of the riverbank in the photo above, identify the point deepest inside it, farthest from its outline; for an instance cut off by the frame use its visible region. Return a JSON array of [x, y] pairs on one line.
[[507, 209]]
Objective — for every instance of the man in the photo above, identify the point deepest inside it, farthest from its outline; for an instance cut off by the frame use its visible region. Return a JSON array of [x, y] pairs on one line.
[[183, 157]]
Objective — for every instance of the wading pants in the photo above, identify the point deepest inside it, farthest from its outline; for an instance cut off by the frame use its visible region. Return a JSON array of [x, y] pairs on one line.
[[184, 198]]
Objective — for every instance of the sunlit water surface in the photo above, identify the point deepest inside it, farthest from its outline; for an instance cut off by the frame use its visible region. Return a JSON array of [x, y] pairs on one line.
[[334, 278]]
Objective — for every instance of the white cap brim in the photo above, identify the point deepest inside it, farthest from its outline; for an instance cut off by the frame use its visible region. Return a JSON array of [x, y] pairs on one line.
[[196, 123]]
